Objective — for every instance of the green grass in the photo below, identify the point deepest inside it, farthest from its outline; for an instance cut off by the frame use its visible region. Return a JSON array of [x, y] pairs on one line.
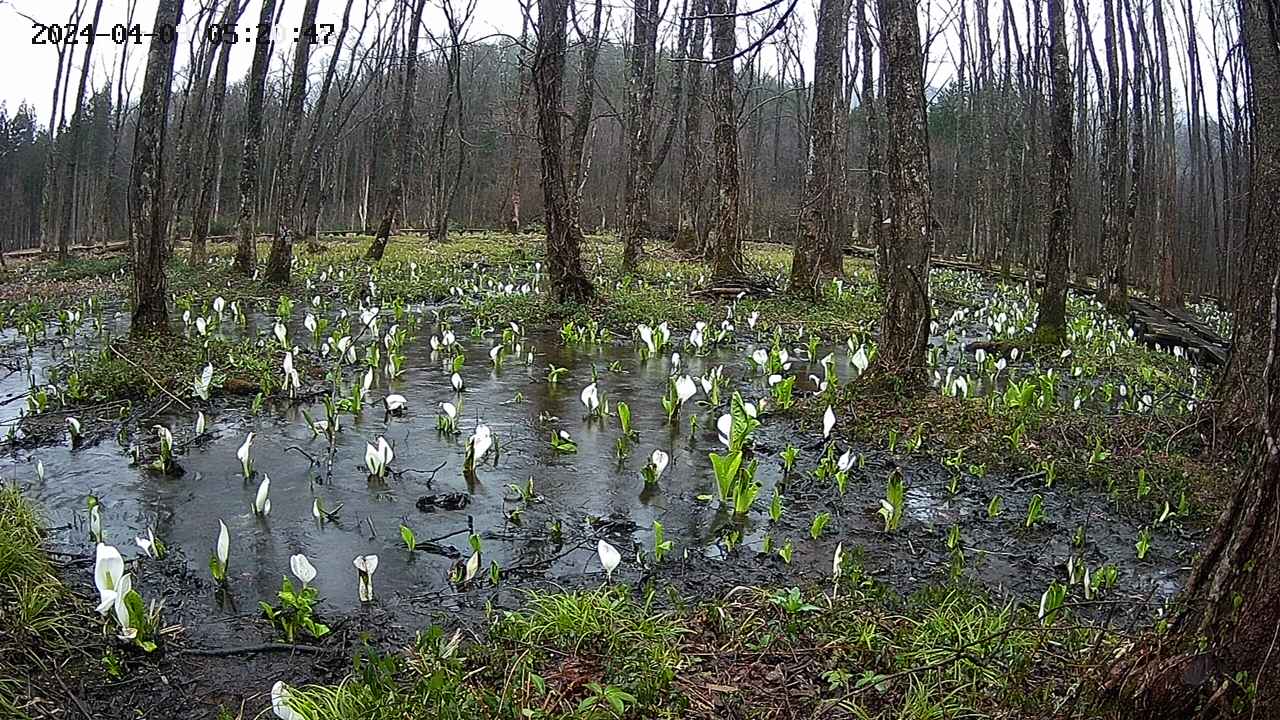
[[35, 615], [860, 652]]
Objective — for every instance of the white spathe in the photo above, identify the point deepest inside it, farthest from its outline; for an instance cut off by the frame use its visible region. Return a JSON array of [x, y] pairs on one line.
[[108, 568], [610, 558], [302, 568]]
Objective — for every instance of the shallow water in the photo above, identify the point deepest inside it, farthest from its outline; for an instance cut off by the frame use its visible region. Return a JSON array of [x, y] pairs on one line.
[[573, 489]]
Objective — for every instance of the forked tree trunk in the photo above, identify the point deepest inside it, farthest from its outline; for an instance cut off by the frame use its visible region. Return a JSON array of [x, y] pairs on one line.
[[404, 124], [640, 84], [246, 230], [1238, 389], [817, 213], [288, 222], [146, 182], [727, 264], [691, 228], [1051, 323], [907, 238], [207, 165], [569, 283]]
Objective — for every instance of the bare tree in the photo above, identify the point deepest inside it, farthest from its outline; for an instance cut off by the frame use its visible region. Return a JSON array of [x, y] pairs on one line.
[[817, 214], [207, 164], [246, 229], [569, 283], [71, 157], [726, 250], [1238, 389], [691, 225], [907, 234], [404, 125], [147, 222], [1051, 323], [641, 79], [288, 222]]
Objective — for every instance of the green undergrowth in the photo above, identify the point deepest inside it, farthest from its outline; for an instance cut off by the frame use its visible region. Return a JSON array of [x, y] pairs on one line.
[[856, 650], [1142, 461], [36, 617]]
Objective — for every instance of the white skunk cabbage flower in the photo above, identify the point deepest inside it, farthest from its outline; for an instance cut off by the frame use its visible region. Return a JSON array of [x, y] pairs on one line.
[[377, 458], [828, 422], [660, 461], [108, 569], [200, 386], [262, 503], [591, 397], [685, 388], [302, 568], [395, 402], [244, 455], [481, 442], [610, 558], [281, 696], [365, 567]]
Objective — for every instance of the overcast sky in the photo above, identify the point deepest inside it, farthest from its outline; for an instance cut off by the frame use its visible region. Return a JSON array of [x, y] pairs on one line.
[[30, 69]]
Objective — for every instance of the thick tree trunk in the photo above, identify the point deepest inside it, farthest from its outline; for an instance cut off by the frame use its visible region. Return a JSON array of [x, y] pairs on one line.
[[404, 124], [1051, 323], [517, 129], [146, 181], [246, 229], [727, 263], [1238, 389], [569, 283], [691, 228], [904, 325], [288, 220], [817, 213], [207, 166]]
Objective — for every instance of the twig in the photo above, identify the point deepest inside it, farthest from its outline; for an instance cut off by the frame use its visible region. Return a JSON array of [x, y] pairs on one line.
[[251, 649], [143, 370]]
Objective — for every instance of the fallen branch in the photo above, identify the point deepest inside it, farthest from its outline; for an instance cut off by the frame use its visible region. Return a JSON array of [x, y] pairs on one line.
[[155, 382], [251, 649]]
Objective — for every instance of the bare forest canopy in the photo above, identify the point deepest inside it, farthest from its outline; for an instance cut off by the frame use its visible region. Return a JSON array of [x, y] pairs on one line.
[[1179, 146]]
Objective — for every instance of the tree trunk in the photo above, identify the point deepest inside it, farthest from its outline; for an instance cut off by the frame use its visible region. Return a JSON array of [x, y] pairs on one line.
[[280, 261], [207, 166], [1051, 323], [1112, 281], [72, 155], [146, 181], [727, 267], [1238, 389], [691, 229], [907, 235], [819, 198], [404, 124], [569, 283], [875, 203], [1166, 207], [246, 226], [640, 84]]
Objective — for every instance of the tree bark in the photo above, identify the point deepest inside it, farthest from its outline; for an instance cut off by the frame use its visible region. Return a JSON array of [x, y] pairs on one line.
[[569, 283], [207, 166], [246, 228], [871, 117], [71, 164], [1051, 323], [1112, 279], [280, 261], [404, 124], [1238, 389], [817, 212], [146, 181], [907, 236], [691, 233], [640, 85], [727, 263]]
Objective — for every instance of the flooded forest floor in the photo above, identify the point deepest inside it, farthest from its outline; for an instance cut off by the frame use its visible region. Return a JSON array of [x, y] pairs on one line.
[[670, 504]]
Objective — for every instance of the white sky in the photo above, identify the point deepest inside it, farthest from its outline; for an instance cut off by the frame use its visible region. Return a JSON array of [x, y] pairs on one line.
[[31, 68]]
